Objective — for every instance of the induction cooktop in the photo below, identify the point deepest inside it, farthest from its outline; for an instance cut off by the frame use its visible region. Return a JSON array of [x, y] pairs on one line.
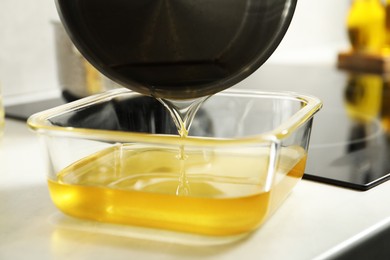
[[350, 140], [350, 145], [349, 154]]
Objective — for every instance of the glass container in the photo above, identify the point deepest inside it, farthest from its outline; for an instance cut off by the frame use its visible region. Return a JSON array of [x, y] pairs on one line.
[[116, 157]]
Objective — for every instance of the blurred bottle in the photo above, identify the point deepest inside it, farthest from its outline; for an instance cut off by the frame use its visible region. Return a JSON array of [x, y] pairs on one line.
[[387, 26], [366, 26], [2, 114], [385, 111], [367, 99], [363, 97]]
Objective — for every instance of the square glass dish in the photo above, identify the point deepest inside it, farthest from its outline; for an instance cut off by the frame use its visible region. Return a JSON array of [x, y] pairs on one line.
[[116, 157]]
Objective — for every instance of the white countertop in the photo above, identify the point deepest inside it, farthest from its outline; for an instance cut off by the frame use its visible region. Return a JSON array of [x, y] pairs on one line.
[[313, 221]]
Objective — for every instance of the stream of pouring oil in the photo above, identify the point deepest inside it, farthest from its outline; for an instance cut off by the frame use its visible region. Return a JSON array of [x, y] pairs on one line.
[[183, 113]]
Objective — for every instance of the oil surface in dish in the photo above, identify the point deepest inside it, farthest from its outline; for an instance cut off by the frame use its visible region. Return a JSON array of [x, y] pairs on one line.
[[138, 186]]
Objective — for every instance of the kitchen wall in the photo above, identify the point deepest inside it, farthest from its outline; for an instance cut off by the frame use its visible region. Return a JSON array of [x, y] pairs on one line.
[[316, 34], [27, 62], [27, 57]]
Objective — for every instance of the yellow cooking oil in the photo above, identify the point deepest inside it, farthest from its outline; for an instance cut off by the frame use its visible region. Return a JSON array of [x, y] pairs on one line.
[[137, 185], [366, 26]]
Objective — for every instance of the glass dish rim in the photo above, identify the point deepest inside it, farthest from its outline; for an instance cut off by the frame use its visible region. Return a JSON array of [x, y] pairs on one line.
[[39, 122]]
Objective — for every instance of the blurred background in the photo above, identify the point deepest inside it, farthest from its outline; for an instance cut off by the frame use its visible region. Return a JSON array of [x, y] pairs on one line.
[[28, 58]]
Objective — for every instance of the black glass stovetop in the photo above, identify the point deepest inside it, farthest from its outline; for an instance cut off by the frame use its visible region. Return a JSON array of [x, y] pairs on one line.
[[350, 140]]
